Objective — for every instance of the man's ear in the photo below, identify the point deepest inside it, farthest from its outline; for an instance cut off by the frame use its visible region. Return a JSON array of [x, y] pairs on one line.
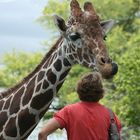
[[108, 25], [60, 23]]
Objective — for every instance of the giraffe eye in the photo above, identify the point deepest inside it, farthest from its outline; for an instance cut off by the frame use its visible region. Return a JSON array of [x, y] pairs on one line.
[[74, 36]]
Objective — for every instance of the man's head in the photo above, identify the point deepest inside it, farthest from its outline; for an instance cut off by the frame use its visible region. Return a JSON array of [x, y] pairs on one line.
[[90, 87]]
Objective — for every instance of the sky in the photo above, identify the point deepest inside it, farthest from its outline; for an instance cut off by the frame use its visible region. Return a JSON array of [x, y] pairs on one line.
[[18, 26]]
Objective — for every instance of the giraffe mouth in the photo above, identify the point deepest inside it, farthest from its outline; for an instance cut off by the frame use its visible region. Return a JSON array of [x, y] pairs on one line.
[[108, 70]]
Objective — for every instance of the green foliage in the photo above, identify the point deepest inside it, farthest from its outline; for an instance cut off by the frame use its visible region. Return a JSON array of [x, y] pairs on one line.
[[16, 66], [128, 84], [125, 98]]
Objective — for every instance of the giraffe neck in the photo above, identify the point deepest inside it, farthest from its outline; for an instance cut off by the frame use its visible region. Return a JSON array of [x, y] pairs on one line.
[[22, 110]]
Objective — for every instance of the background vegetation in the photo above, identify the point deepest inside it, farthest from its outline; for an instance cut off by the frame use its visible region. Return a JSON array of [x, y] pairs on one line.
[[122, 92]]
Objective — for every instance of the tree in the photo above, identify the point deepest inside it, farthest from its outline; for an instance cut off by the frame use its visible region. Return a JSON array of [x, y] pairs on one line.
[[17, 65]]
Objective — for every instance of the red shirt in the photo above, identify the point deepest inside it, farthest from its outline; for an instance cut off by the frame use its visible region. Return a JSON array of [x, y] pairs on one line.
[[85, 121]]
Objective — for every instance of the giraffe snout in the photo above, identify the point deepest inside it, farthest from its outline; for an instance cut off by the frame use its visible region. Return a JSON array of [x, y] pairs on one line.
[[106, 67]]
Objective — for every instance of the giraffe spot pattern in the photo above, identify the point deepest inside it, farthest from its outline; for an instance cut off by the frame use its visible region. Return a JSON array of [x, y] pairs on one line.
[[75, 56], [46, 64], [59, 86], [85, 63], [11, 128], [15, 104], [45, 84], [41, 100], [38, 87], [29, 91], [7, 104], [79, 55], [3, 119], [58, 65], [40, 75], [71, 57], [63, 75], [51, 76], [72, 49], [43, 112], [86, 57], [66, 62], [25, 121], [1, 104], [29, 131]]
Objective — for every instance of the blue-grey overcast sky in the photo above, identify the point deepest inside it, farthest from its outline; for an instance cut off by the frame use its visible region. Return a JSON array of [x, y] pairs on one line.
[[18, 26]]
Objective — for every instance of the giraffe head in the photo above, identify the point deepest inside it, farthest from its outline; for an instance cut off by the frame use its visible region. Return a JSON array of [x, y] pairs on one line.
[[84, 37]]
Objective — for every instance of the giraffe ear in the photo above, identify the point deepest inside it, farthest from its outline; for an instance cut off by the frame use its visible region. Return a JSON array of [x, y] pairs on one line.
[[108, 25], [60, 23]]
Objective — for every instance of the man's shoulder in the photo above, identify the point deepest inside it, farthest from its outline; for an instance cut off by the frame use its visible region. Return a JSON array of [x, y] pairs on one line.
[[72, 106]]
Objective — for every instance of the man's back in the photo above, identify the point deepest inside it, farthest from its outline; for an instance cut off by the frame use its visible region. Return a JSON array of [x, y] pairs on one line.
[[85, 121]]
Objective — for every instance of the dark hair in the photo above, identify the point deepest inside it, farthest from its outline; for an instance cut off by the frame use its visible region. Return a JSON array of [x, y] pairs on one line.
[[90, 87]]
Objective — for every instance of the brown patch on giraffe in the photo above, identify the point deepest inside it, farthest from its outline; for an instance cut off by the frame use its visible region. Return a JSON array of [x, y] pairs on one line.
[[11, 128], [3, 119], [29, 91], [7, 104], [51, 76], [79, 55], [45, 84], [72, 48], [50, 60], [38, 87], [1, 104], [29, 132], [46, 63], [43, 112], [25, 121], [86, 57], [41, 100], [58, 65], [66, 62], [75, 56], [15, 104], [85, 63], [59, 86], [63, 75], [71, 57], [40, 75]]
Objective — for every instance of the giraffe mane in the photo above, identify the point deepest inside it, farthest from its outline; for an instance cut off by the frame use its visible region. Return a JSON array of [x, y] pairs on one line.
[[7, 92]]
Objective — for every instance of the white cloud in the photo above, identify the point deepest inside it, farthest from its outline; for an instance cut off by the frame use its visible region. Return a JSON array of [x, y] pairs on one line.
[[6, 1]]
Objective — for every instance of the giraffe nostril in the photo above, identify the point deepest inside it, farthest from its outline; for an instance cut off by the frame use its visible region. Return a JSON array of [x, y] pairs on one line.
[[102, 60]]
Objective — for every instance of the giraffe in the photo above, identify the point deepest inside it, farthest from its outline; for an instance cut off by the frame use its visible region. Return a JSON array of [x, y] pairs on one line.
[[82, 42]]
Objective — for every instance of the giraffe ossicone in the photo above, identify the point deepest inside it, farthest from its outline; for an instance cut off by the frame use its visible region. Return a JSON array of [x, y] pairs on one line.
[[81, 41]]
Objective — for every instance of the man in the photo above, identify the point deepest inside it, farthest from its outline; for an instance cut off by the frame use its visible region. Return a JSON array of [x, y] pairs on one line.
[[87, 119]]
